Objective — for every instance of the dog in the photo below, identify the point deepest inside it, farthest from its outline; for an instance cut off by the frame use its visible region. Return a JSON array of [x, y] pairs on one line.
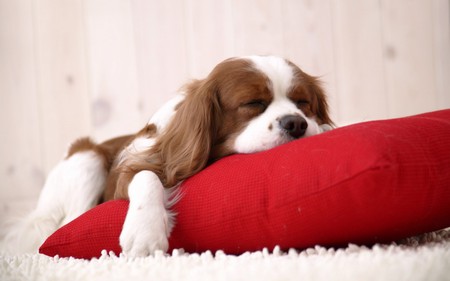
[[245, 105]]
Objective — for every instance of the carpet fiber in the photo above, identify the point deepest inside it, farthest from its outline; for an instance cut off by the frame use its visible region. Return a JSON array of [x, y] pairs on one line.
[[419, 258]]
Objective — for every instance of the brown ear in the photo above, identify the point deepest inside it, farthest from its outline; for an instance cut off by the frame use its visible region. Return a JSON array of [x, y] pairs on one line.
[[320, 107], [185, 145]]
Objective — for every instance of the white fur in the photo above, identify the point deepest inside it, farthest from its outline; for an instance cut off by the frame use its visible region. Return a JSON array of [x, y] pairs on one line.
[[264, 132], [279, 72], [72, 188], [164, 115], [132, 151], [147, 224]]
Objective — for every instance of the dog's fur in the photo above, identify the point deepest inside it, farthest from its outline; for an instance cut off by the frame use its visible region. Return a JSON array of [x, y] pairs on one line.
[[245, 105]]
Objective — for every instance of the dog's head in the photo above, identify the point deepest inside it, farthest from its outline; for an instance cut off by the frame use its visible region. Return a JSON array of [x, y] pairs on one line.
[[245, 105]]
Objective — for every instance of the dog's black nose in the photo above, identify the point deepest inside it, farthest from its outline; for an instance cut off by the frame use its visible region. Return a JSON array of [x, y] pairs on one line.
[[294, 125]]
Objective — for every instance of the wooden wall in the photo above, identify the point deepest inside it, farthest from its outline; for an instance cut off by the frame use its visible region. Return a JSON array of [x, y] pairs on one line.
[[70, 68]]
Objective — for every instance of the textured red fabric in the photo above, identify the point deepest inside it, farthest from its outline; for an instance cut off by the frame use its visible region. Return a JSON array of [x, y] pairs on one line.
[[366, 183]]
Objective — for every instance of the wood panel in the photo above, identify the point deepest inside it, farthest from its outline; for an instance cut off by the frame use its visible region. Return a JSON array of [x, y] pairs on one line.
[[209, 34], [308, 41], [409, 56], [257, 27], [112, 68], [102, 67], [61, 73], [21, 172], [161, 48], [441, 48], [358, 56]]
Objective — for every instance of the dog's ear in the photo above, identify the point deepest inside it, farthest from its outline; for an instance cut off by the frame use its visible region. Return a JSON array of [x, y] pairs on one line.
[[185, 145], [320, 104]]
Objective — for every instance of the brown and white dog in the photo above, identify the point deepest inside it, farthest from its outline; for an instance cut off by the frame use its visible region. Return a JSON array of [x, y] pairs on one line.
[[245, 105]]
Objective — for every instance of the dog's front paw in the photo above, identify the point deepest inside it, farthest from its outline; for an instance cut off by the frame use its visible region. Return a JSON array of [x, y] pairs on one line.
[[147, 224], [141, 244], [325, 128], [143, 235]]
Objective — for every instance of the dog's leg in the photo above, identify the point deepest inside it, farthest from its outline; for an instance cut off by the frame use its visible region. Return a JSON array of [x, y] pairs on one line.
[[147, 224], [72, 187], [89, 178]]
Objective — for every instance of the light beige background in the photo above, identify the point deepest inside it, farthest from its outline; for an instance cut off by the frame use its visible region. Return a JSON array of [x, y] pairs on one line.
[[70, 68]]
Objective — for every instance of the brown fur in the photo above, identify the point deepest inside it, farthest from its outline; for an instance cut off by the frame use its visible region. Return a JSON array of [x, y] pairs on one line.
[[118, 177], [108, 149]]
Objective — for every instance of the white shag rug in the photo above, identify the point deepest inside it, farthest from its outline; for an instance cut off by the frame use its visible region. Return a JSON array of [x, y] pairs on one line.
[[419, 258]]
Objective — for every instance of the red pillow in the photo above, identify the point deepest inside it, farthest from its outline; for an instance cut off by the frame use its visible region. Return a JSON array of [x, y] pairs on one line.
[[366, 183]]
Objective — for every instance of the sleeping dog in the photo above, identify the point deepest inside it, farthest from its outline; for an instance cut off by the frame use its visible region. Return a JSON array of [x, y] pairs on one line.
[[245, 105]]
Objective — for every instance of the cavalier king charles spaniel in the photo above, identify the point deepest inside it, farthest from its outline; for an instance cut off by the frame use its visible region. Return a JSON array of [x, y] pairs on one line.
[[245, 105]]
